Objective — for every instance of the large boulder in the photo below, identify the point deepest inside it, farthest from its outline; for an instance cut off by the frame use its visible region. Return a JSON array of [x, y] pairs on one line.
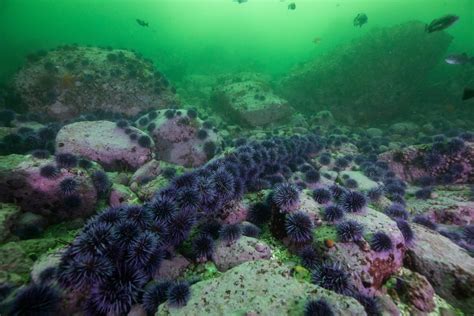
[[260, 287], [409, 163], [372, 78], [370, 269], [21, 182], [227, 256], [105, 143], [180, 137], [250, 102], [448, 267], [73, 80]]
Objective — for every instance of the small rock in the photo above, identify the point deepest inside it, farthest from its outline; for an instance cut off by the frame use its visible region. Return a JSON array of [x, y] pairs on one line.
[[171, 269]]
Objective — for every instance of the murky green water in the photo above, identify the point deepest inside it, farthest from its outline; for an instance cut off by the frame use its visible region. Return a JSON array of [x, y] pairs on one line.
[[213, 36]]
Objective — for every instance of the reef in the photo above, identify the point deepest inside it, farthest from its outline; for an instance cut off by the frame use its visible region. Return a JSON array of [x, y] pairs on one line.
[[371, 79], [71, 80], [180, 210]]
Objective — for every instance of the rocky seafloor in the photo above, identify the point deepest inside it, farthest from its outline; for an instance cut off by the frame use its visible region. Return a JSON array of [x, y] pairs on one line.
[[119, 198]]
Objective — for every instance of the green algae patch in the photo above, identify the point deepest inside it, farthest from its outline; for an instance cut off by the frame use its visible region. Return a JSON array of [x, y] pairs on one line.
[[10, 162], [279, 251], [324, 232], [17, 258], [202, 272]]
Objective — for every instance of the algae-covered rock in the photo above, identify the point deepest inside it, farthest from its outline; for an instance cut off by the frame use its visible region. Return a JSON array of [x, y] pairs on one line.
[[250, 103], [259, 287], [369, 269], [21, 181], [17, 258], [363, 183], [105, 143], [8, 214], [448, 267], [227, 256], [372, 78], [73, 80], [180, 137]]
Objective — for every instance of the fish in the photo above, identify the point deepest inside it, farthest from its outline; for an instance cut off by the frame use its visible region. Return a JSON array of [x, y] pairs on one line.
[[459, 59], [441, 23], [317, 40], [360, 19], [467, 94], [240, 1], [292, 6], [142, 23]]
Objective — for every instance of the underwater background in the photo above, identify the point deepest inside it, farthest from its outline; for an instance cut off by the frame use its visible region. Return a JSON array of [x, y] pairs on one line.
[[236, 157]]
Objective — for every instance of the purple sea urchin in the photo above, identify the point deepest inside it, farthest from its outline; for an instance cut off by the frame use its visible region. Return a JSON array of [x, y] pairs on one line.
[[299, 227], [286, 197], [381, 242], [353, 201], [178, 294], [332, 276], [349, 231], [318, 308]]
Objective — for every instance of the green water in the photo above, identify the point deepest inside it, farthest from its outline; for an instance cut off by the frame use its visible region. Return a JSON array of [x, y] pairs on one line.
[[212, 36]]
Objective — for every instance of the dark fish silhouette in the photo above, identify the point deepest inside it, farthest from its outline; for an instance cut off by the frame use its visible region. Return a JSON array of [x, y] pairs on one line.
[[360, 19], [467, 94], [142, 23], [240, 1], [292, 6], [442, 23]]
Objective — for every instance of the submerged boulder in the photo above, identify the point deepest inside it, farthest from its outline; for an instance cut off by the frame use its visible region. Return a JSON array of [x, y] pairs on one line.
[[22, 181], [372, 78], [105, 143], [250, 102], [73, 80], [180, 137], [261, 287], [448, 267]]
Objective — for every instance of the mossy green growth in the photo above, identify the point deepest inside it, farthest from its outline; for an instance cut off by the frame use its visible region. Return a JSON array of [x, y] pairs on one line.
[[17, 258], [10, 162], [323, 233], [301, 273], [280, 252], [202, 272]]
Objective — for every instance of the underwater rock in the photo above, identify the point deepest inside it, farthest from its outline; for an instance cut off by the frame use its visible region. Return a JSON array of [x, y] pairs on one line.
[[415, 162], [180, 138], [121, 194], [171, 269], [234, 212], [29, 225], [21, 181], [148, 171], [250, 103], [369, 269], [103, 142], [227, 256], [417, 290], [8, 215], [404, 128], [363, 183], [261, 287], [448, 267], [15, 264], [72, 80], [373, 78], [45, 262], [449, 207]]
